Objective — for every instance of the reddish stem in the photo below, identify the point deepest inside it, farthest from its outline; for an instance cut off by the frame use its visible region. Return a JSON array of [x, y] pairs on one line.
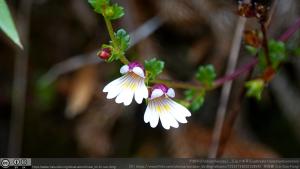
[[227, 127], [245, 68], [238, 72], [291, 30]]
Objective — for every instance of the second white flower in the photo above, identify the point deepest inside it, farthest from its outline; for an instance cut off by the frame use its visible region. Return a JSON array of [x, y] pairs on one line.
[[161, 106]]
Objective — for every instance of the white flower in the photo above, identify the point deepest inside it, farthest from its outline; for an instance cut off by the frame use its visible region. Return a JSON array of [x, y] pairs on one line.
[[131, 84], [161, 106]]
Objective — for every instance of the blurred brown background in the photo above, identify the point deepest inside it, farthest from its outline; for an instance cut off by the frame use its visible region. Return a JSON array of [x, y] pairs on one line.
[[65, 114]]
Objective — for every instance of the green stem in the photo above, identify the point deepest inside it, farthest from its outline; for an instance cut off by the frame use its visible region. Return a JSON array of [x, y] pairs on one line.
[[180, 85], [124, 60], [110, 29], [265, 44]]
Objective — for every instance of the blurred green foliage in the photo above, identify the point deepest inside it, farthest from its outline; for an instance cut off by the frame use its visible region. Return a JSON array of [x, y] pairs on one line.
[[255, 88]]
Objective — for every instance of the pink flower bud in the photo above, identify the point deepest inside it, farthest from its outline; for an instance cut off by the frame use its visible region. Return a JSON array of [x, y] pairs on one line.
[[105, 53]]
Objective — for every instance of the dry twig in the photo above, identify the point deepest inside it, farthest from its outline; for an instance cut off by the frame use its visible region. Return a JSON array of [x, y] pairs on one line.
[[20, 83], [233, 57]]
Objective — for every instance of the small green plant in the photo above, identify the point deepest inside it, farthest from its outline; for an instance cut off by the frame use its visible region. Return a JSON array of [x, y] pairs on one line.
[[140, 81]]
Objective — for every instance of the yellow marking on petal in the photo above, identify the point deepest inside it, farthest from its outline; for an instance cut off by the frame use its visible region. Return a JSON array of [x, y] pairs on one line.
[[158, 109], [129, 83], [163, 107]]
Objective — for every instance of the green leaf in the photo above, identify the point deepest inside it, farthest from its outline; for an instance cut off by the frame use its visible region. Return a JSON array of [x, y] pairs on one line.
[[115, 55], [123, 39], [103, 7], [195, 98], [252, 50], [7, 24], [153, 68], [98, 5], [197, 103], [296, 52], [255, 88], [206, 75], [262, 62], [45, 94], [189, 94], [114, 12], [95, 3], [277, 52]]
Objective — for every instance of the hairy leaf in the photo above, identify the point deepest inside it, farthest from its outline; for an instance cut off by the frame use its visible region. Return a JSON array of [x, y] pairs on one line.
[[98, 5], [194, 98], [255, 88], [197, 103], [103, 7], [153, 67], [206, 74], [277, 52], [123, 39], [114, 12], [189, 94]]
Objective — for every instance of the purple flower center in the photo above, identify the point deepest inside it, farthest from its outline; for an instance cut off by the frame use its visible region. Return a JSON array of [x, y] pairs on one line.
[[162, 87], [135, 64]]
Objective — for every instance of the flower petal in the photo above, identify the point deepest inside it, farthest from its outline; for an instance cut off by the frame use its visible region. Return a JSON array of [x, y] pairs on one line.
[[154, 116], [129, 98], [141, 92], [115, 83], [177, 111], [156, 93], [147, 115], [171, 92], [180, 108], [173, 122], [145, 92], [125, 97], [139, 71], [166, 118], [164, 121], [124, 69], [115, 87], [114, 93]]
